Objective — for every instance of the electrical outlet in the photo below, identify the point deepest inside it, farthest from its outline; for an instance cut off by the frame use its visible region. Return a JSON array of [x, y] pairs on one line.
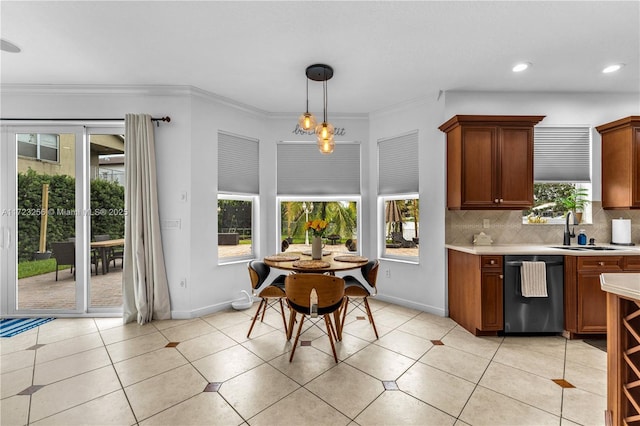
[[183, 283], [486, 223], [388, 273]]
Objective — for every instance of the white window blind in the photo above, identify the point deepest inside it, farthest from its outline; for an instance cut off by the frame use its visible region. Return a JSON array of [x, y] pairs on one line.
[[398, 169], [303, 170], [238, 164], [561, 154]]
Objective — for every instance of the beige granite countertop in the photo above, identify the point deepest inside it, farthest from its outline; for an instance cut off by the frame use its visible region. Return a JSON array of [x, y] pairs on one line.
[[544, 249], [625, 284]]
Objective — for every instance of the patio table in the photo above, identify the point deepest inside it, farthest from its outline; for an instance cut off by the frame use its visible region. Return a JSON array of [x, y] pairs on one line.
[[102, 246]]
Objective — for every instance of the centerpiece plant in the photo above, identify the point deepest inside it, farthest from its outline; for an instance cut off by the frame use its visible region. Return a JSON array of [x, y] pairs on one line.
[[317, 227]]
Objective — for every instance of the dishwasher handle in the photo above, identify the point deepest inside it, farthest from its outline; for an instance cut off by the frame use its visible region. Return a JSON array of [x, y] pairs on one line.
[[519, 263]]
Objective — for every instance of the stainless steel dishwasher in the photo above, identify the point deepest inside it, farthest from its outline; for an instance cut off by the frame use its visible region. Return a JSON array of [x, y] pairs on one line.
[[533, 314]]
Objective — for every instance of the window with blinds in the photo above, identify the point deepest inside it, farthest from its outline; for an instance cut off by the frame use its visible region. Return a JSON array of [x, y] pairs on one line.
[[238, 188], [303, 170], [562, 175], [562, 154], [398, 170], [238, 170], [398, 185]]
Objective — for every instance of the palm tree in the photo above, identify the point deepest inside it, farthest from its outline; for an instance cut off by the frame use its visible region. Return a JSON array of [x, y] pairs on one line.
[[343, 218]]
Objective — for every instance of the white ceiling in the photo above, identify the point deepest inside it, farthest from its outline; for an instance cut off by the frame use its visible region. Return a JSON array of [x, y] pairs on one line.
[[383, 53]]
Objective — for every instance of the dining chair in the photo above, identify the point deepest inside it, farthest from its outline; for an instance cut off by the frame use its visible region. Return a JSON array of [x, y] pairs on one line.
[[329, 291], [357, 292], [270, 294], [65, 254]]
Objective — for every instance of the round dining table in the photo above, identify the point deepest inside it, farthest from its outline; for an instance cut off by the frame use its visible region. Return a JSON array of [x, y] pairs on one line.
[[301, 262]]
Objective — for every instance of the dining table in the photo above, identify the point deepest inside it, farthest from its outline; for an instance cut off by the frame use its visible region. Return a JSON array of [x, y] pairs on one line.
[[301, 262], [102, 247]]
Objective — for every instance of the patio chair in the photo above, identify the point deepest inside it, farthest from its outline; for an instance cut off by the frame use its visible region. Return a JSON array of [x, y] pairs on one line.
[[65, 254], [398, 238]]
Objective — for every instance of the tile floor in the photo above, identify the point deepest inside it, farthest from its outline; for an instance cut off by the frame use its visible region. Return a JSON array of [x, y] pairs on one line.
[[424, 370]]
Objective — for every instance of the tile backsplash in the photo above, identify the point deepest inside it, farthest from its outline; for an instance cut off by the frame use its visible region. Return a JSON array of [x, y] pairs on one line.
[[506, 227]]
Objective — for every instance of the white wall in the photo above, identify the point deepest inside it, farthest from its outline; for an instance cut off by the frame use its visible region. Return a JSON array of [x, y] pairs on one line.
[[420, 286]]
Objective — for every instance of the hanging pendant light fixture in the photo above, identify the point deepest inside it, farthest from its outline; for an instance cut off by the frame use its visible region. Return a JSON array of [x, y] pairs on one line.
[[307, 121], [325, 130]]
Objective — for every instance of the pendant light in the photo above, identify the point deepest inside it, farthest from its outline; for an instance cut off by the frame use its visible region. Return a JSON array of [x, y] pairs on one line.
[[307, 121], [325, 130]]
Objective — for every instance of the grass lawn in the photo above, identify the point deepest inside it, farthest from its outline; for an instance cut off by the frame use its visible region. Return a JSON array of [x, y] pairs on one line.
[[37, 267]]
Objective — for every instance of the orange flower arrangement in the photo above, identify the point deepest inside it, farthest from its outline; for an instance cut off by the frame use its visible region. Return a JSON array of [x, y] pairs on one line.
[[316, 226]]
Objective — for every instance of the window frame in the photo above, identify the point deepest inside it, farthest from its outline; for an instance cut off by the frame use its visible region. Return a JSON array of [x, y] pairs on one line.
[[38, 145], [382, 241], [254, 199], [327, 198]]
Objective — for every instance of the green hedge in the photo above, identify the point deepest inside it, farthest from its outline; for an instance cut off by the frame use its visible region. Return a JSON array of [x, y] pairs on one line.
[[107, 198]]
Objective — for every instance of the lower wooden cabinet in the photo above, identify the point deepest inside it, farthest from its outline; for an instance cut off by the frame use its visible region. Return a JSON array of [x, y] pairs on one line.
[[585, 302], [476, 292]]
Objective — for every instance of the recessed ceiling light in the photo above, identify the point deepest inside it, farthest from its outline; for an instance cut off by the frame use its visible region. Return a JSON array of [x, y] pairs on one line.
[[521, 66], [7, 46], [612, 68]]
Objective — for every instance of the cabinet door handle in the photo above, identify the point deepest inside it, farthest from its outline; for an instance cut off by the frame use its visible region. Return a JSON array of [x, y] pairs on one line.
[[501, 276], [492, 262], [501, 200], [496, 201], [601, 263]]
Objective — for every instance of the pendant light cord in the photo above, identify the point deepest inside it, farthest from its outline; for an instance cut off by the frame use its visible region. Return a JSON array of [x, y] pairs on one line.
[[307, 95]]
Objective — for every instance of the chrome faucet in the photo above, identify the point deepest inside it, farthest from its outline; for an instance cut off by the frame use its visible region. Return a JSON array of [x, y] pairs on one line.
[[568, 235]]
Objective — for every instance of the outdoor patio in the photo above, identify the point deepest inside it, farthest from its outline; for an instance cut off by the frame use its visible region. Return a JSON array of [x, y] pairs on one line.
[[44, 292]]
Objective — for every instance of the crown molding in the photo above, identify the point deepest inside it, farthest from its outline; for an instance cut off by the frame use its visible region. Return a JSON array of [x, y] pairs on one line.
[[120, 90]]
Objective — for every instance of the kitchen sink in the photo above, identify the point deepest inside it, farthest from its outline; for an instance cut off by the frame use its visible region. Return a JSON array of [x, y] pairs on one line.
[[568, 248], [586, 248], [597, 248]]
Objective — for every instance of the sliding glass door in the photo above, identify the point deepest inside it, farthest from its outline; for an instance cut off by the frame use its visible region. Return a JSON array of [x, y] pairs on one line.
[[49, 264]]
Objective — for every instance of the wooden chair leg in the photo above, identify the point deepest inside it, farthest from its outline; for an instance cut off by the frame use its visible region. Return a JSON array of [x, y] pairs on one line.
[[366, 304], [295, 343], [255, 317], [330, 332], [264, 310], [283, 318], [292, 321], [345, 305]]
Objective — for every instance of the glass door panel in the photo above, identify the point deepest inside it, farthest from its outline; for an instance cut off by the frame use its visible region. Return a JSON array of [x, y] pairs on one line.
[[44, 210], [106, 192]]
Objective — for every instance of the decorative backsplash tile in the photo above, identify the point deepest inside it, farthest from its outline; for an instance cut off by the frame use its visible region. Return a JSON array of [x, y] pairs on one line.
[[506, 227]]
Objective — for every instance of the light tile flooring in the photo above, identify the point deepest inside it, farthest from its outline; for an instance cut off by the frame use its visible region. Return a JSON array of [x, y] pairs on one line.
[[423, 370]]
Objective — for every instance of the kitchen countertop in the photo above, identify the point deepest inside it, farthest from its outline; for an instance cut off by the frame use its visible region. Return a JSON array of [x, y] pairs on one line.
[[543, 249], [625, 285]]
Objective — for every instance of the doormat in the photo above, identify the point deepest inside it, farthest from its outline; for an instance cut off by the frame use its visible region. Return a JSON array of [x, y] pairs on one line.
[[597, 343], [11, 326]]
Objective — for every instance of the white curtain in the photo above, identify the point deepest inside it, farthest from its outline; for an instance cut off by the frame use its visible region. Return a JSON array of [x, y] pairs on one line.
[[145, 289]]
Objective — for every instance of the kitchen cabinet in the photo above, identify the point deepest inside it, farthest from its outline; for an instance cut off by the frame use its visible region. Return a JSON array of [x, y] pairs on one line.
[[490, 161], [621, 163], [585, 302], [476, 292]]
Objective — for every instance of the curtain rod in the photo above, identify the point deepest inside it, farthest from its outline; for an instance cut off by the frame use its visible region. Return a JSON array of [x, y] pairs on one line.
[[157, 120]]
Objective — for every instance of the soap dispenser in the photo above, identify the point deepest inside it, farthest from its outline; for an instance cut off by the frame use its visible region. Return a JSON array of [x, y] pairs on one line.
[[582, 238]]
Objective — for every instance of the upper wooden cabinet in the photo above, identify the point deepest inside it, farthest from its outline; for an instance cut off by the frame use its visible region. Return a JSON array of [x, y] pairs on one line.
[[490, 161], [621, 163]]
